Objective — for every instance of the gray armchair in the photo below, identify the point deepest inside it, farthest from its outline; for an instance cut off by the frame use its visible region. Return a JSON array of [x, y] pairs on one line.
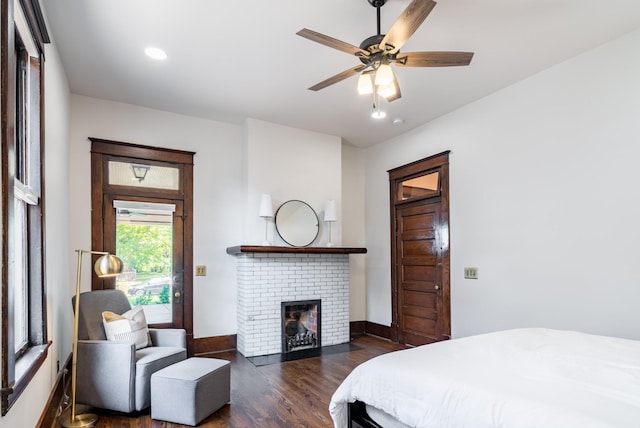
[[114, 375]]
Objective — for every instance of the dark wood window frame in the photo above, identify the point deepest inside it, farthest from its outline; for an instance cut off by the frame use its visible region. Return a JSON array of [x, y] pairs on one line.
[[22, 176]]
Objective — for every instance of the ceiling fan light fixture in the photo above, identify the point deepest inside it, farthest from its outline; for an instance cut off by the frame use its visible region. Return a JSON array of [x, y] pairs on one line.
[[387, 90], [365, 85], [384, 75]]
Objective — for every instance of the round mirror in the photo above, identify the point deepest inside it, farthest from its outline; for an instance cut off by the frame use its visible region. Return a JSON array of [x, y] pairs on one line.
[[297, 223]]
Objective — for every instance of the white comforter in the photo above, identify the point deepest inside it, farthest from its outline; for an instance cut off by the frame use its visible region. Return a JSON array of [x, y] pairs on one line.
[[515, 378]]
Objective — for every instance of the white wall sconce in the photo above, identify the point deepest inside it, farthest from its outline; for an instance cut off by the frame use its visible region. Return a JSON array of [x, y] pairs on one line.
[[266, 212], [329, 217]]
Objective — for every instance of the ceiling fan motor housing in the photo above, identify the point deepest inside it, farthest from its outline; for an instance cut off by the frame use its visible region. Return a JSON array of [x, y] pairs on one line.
[[372, 45], [377, 3]]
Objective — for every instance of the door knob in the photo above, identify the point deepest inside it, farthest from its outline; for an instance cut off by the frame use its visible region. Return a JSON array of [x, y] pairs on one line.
[[436, 287], [176, 294]]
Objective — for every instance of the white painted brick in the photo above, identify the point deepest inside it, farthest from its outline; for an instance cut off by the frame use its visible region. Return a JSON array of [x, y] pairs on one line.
[[266, 280]]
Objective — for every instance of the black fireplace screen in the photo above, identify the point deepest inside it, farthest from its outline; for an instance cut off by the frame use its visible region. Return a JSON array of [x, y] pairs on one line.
[[300, 325]]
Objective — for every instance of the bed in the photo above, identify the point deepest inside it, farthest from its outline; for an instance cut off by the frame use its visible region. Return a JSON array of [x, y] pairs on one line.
[[521, 378]]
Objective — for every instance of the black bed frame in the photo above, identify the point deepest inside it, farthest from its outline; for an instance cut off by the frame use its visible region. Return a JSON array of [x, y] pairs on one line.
[[358, 414]]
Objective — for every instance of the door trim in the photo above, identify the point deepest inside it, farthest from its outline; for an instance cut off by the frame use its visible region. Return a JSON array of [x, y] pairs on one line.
[[440, 163], [103, 150]]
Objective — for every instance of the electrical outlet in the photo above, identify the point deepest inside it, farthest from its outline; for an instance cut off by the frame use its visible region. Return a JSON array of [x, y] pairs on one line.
[[201, 270], [471, 273]]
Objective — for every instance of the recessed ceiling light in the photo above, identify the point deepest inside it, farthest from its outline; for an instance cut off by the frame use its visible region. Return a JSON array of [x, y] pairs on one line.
[[155, 53], [378, 114], [398, 121]]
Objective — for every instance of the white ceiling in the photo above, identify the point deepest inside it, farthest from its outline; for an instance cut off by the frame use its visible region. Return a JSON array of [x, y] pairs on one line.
[[230, 60]]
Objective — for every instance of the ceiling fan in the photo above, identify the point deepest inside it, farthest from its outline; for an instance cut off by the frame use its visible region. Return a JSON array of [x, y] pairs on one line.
[[377, 53]]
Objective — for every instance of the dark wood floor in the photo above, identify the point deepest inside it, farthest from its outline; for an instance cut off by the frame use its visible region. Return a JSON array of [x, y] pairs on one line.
[[291, 394]]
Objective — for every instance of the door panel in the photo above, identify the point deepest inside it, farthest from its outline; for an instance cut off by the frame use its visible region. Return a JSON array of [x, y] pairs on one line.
[[419, 225], [420, 270], [417, 328], [421, 302], [419, 273]]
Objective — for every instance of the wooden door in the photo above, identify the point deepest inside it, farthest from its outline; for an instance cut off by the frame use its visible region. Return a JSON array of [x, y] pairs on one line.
[[168, 181], [420, 251], [419, 274]]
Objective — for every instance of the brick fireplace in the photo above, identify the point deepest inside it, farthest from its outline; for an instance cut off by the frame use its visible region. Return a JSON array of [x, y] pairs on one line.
[[270, 276]]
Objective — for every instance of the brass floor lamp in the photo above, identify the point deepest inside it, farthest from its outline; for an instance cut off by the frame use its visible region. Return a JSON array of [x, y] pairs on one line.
[[106, 266]]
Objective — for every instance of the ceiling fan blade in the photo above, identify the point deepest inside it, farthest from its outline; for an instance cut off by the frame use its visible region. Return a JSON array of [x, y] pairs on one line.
[[338, 78], [331, 42], [397, 95], [433, 59], [407, 24]]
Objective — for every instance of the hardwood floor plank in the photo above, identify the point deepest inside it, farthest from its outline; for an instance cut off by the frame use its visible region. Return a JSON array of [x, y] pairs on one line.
[[291, 394]]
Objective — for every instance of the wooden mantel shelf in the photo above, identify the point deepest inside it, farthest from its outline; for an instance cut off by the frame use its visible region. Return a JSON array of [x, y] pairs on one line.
[[240, 249]]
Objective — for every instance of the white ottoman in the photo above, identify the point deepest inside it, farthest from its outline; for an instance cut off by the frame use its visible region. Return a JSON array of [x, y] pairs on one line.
[[190, 390]]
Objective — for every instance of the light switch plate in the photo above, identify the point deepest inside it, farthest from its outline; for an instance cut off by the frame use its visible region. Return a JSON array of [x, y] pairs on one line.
[[471, 273], [201, 270]]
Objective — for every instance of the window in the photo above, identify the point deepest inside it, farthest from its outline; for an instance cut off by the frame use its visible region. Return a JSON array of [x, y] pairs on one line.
[[144, 242], [24, 340], [425, 185]]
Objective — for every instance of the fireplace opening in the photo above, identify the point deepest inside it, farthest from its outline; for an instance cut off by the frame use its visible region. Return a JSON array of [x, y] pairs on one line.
[[300, 325]]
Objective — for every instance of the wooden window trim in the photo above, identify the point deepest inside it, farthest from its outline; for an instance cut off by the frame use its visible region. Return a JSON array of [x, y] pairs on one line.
[[17, 371]]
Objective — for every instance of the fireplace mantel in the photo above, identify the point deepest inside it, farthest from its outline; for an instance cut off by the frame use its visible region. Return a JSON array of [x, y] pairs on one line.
[[240, 249]]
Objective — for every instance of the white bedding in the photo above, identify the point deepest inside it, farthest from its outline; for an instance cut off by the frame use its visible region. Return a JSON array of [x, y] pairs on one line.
[[510, 379]]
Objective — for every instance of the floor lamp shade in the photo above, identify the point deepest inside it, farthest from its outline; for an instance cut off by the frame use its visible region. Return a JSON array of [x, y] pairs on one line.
[[106, 266]]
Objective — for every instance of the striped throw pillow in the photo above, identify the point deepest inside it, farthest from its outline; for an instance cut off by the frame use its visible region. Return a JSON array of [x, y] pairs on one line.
[[129, 327]]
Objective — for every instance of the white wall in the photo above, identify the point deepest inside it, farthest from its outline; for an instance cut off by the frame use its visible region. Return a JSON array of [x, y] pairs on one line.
[[217, 192], [544, 200], [353, 230], [289, 163], [57, 109]]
